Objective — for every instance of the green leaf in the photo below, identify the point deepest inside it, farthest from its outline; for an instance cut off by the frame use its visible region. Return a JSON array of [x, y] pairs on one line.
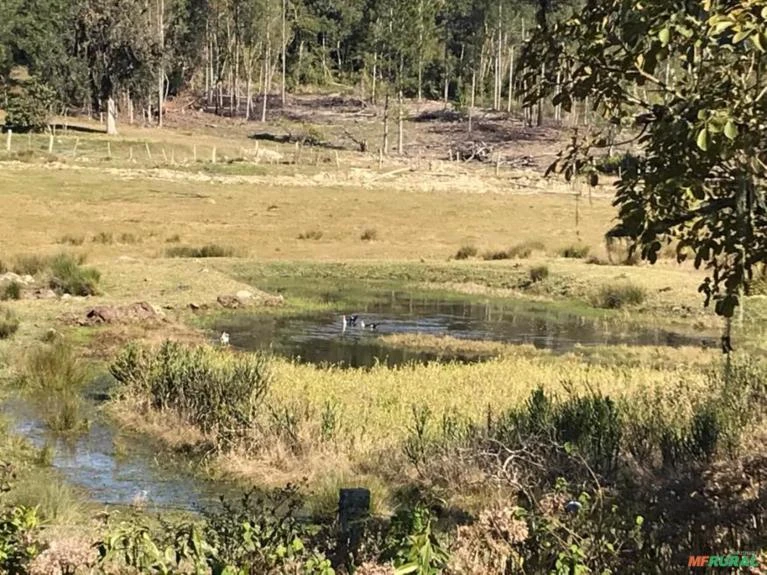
[[703, 139], [740, 36], [664, 36], [639, 520], [759, 41], [731, 129]]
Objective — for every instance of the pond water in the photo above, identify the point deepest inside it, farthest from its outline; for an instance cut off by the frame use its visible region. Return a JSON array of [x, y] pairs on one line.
[[116, 476], [320, 338]]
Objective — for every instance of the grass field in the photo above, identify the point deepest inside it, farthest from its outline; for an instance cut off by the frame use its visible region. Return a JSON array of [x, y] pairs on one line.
[[325, 231]]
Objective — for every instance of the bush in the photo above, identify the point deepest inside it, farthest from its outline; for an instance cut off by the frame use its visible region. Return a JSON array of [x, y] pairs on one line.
[[210, 388], [103, 238], [206, 251], [310, 235], [68, 276], [31, 264], [466, 252], [71, 240], [619, 296], [574, 251], [538, 273], [9, 323], [11, 290], [525, 249], [369, 235], [29, 105], [496, 255], [174, 239]]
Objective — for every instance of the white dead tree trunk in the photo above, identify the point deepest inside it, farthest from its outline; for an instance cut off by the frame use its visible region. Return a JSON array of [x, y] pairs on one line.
[[161, 72], [111, 117], [284, 47]]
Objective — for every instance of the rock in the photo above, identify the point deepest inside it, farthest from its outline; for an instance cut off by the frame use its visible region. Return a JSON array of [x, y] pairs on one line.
[[65, 297], [10, 277], [133, 313], [44, 294], [244, 294], [28, 279], [229, 301]]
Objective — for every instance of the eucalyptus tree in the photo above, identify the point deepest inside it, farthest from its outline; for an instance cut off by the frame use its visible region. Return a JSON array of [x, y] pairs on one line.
[[697, 176], [118, 43]]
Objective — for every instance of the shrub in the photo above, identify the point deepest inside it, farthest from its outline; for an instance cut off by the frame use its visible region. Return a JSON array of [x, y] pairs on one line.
[[174, 239], [68, 276], [618, 296], [210, 388], [9, 323], [466, 252], [31, 264], [11, 290], [619, 252], [103, 238], [310, 235], [126, 238], [496, 255], [369, 235], [71, 240], [538, 273], [525, 249], [206, 251], [574, 251]]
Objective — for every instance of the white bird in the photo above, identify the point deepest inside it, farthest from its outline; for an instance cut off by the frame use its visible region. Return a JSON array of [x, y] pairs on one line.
[[224, 338], [362, 323]]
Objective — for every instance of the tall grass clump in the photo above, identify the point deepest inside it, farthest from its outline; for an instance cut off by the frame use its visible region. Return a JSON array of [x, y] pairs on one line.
[[538, 273], [54, 377], [574, 251], [11, 290], [70, 277], [9, 323], [31, 264], [525, 249], [103, 238], [619, 296], [369, 235], [71, 240], [210, 388], [466, 252], [206, 251], [310, 235]]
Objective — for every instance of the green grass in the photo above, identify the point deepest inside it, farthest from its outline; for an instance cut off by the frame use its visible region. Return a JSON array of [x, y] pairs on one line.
[[206, 251], [68, 276], [619, 296], [11, 291], [9, 323], [466, 252]]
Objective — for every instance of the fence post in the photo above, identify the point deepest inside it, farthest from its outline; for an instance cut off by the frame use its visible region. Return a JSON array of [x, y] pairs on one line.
[[213, 155], [50, 143], [353, 511], [8, 140]]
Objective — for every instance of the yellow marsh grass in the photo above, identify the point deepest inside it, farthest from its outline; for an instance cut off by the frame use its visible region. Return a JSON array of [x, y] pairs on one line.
[[376, 404]]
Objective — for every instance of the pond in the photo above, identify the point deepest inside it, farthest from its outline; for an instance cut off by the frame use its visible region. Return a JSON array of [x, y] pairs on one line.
[[321, 337]]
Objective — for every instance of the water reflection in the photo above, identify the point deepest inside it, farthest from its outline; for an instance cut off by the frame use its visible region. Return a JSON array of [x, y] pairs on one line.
[[320, 338]]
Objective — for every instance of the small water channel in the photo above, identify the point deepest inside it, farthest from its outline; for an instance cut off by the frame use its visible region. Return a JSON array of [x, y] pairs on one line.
[[115, 467], [320, 337]]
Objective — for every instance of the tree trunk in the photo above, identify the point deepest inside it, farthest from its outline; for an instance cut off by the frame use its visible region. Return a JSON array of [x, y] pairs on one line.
[[249, 94], [386, 125], [284, 47], [375, 75], [400, 126], [539, 119], [111, 117], [266, 80], [511, 79], [473, 93], [161, 73]]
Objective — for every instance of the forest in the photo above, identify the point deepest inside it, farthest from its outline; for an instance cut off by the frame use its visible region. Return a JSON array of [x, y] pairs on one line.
[[230, 55]]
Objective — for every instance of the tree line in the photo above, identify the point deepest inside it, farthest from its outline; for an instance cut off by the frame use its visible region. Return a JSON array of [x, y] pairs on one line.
[[81, 54]]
